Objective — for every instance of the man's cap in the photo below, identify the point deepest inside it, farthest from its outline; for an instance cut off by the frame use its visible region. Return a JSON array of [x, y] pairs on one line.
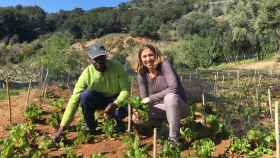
[[96, 50]]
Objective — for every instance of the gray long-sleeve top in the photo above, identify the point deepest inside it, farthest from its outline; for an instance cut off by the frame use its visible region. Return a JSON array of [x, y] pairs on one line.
[[166, 82]]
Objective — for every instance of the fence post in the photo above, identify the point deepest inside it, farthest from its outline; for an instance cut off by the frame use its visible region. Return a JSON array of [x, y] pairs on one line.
[[9, 101], [28, 92], [223, 80], [277, 130], [155, 144], [260, 78], [238, 78], [44, 83], [203, 105], [129, 108], [270, 103]]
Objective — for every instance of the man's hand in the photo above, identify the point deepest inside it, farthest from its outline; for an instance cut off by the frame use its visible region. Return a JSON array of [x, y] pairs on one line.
[[110, 109], [55, 137], [146, 100]]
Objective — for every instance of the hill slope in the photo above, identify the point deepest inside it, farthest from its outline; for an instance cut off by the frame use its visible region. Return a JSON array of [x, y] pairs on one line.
[[272, 63]]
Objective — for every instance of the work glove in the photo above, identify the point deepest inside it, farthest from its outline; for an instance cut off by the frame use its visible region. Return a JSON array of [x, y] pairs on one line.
[[55, 137]]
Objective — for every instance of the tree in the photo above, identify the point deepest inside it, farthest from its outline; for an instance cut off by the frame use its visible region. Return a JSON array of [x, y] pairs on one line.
[[268, 19], [196, 51], [195, 23], [53, 55], [241, 16], [144, 26]]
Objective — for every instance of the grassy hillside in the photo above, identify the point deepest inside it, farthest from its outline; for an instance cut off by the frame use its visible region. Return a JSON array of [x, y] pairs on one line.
[[270, 63]]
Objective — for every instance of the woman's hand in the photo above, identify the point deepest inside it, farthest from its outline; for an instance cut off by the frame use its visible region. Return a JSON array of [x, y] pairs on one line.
[[146, 100], [135, 116]]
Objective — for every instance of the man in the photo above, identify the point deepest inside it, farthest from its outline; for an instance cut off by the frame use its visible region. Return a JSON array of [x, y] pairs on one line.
[[102, 85]]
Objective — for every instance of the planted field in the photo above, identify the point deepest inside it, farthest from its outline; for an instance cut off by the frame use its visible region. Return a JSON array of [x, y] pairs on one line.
[[231, 114]]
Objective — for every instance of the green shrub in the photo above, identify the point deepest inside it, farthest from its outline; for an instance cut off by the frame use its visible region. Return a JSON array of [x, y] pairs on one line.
[[204, 147], [33, 112]]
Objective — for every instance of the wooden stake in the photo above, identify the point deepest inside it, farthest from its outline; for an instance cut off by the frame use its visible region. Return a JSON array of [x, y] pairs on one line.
[[9, 101], [129, 119], [28, 93], [68, 80], [270, 103], [41, 75], [238, 78], [223, 80], [155, 144], [44, 83], [129, 108], [260, 78], [44, 93], [277, 130], [257, 97], [203, 105], [216, 84]]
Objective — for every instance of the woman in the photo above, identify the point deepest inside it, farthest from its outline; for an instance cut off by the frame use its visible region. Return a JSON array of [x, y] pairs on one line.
[[160, 87]]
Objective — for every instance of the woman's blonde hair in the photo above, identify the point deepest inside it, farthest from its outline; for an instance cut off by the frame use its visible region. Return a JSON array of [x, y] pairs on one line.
[[140, 68]]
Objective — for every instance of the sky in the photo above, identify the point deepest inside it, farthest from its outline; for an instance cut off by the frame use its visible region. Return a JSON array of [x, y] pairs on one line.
[[52, 6]]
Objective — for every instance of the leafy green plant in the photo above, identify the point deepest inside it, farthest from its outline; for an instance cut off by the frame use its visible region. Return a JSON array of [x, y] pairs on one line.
[[97, 156], [204, 147], [82, 136], [168, 150], [142, 109], [188, 134], [21, 141], [70, 153], [33, 112], [259, 152], [58, 103], [216, 126], [255, 136], [54, 119], [257, 142], [108, 127], [135, 150], [44, 143], [239, 145]]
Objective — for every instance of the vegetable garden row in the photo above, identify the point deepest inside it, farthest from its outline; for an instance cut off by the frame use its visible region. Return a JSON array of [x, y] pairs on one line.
[[233, 106]]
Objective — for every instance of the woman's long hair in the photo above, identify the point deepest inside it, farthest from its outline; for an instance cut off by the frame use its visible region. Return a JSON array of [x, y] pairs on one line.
[[140, 68]]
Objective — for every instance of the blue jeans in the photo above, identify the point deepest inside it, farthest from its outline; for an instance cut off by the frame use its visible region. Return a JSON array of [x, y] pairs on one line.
[[92, 100]]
